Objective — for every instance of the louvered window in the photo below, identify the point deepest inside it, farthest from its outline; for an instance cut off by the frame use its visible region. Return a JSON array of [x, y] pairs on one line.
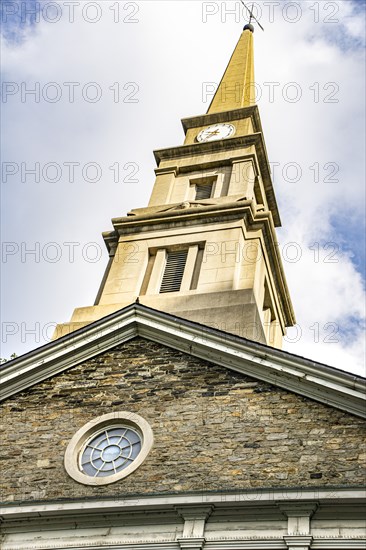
[[174, 270], [203, 191]]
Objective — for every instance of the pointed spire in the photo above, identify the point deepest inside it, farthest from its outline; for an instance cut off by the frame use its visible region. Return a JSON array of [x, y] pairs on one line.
[[237, 88]]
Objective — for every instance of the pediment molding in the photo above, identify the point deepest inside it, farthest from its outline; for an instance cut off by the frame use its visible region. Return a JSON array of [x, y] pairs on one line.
[[304, 377]]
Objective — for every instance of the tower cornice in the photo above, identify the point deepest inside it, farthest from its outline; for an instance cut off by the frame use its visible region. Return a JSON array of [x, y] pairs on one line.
[[225, 116], [231, 144], [178, 217]]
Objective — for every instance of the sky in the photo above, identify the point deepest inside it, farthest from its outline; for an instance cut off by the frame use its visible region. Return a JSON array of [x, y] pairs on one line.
[[90, 89]]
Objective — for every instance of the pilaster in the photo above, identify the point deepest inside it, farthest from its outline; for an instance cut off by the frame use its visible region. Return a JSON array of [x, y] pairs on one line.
[[299, 515], [195, 518]]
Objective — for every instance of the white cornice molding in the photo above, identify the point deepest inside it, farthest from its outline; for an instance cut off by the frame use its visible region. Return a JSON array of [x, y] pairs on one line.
[[56, 517], [140, 503], [302, 376]]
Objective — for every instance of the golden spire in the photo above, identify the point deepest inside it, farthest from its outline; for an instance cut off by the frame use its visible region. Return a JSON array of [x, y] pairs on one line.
[[237, 87]]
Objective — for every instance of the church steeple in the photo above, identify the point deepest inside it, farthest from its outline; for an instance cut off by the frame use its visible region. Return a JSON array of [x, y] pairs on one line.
[[237, 87], [205, 247]]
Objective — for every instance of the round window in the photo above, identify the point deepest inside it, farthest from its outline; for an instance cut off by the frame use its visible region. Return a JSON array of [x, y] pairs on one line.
[[110, 451], [108, 448]]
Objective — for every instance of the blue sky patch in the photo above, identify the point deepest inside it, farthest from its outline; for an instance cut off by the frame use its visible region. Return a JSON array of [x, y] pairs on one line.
[[349, 234], [19, 16]]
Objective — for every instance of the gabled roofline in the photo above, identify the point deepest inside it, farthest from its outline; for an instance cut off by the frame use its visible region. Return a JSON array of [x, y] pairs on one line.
[[310, 379]]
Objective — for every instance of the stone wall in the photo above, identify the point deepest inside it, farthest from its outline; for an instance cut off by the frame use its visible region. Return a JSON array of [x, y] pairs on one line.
[[214, 429]]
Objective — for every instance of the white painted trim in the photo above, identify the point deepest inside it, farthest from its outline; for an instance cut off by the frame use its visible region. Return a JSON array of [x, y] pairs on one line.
[[171, 502], [226, 544], [302, 376], [33, 518]]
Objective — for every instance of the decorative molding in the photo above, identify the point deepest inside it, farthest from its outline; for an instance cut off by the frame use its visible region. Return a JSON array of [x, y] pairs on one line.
[[230, 144], [241, 211], [257, 543], [253, 543], [225, 116], [116, 544], [299, 509], [302, 376], [243, 499], [194, 543], [170, 170], [195, 512], [298, 516], [195, 518], [219, 544], [298, 542], [77, 524], [110, 420]]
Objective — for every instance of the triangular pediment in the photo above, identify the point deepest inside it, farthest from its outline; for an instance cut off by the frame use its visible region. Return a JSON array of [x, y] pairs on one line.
[[209, 426], [301, 376]]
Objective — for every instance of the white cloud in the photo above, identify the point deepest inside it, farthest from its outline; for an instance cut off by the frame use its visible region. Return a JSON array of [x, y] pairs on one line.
[[170, 53]]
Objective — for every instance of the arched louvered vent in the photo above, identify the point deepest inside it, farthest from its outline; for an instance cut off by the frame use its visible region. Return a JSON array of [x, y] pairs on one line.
[[174, 270]]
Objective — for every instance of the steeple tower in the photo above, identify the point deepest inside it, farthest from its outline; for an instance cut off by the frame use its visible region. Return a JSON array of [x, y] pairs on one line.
[[205, 248], [237, 87]]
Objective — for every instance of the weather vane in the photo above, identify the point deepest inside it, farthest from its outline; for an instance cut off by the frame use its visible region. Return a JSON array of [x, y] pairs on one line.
[[249, 25]]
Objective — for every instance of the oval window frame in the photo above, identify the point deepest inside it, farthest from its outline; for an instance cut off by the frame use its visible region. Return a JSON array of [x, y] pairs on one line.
[[77, 443]]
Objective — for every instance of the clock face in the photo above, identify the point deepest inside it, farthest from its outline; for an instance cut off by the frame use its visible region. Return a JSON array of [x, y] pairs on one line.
[[217, 131]]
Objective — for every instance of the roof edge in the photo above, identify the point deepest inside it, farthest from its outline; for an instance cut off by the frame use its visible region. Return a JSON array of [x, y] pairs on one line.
[[314, 380]]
